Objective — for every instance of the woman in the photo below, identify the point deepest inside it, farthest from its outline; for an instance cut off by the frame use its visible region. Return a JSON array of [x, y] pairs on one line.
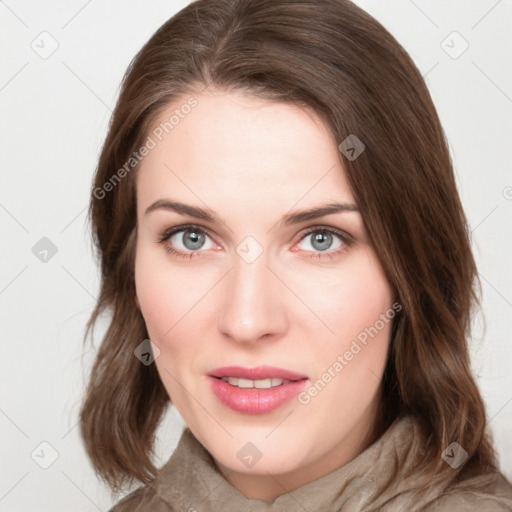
[[286, 260]]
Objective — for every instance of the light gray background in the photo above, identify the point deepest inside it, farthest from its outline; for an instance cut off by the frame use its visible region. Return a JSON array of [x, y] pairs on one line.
[[55, 112]]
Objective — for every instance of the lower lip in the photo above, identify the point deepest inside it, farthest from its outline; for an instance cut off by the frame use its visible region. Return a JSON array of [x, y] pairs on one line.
[[254, 400]]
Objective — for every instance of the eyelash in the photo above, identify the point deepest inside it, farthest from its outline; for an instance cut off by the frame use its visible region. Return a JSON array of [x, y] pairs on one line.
[[345, 238]]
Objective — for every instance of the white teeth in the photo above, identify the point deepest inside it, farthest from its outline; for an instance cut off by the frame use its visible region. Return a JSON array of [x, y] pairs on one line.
[[245, 383], [259, 384]]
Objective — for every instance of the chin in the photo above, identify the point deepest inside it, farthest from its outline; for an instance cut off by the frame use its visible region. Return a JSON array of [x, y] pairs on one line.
[[251, 453]]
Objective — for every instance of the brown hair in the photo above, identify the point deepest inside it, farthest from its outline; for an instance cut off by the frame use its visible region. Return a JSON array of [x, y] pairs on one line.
[[333, 57]]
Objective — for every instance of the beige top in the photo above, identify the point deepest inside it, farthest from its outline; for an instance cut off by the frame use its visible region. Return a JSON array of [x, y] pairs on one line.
[[190, 482]]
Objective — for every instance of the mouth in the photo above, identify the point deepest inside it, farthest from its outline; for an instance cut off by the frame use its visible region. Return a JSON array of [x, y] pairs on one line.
[[258, 373], [258, 390], [258, 384]]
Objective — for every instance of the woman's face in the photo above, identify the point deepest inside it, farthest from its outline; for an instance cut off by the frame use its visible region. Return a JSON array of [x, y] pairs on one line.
[[263, 287]]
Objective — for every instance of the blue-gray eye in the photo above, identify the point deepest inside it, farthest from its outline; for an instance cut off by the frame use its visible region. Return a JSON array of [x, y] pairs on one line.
[[190, 239], [322, 241]]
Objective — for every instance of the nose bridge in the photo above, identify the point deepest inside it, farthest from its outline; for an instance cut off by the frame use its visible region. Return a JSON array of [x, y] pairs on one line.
[[252, 305]]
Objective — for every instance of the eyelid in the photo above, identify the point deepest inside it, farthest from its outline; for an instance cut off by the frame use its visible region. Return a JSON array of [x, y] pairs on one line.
[[346, 237]]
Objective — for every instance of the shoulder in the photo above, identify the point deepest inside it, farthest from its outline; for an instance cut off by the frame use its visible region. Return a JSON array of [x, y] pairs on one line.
[[131, 502], [142, 499], [492, 493]]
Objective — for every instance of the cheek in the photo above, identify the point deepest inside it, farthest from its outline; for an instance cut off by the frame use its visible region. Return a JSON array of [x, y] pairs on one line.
[[166, 312], [349, 364], [157, 292], [357, 308], [171, 298], [352, 299]]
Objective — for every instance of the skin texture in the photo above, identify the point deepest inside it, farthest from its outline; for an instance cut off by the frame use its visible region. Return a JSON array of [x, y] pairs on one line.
[[252, 161]]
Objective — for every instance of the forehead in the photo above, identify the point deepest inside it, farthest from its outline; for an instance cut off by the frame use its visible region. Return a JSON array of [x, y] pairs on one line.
[[248, 149]]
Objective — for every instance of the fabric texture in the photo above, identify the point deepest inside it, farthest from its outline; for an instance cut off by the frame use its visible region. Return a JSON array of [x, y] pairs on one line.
[[190, 482]]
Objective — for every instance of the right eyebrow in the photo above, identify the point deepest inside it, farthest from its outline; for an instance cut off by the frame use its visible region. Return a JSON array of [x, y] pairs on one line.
[[185, 209]]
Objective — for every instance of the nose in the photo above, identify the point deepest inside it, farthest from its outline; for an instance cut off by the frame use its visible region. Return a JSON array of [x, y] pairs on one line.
[[253, 304]]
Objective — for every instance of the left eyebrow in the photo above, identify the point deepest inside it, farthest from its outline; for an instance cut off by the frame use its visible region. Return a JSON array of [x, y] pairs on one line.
[[287, 220], [315, 213]]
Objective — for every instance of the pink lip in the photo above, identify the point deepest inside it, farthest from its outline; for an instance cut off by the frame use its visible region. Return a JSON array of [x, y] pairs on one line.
[[253, 400]]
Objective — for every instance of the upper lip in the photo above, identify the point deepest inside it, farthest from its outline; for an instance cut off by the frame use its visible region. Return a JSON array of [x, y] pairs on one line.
[[258, 373]]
